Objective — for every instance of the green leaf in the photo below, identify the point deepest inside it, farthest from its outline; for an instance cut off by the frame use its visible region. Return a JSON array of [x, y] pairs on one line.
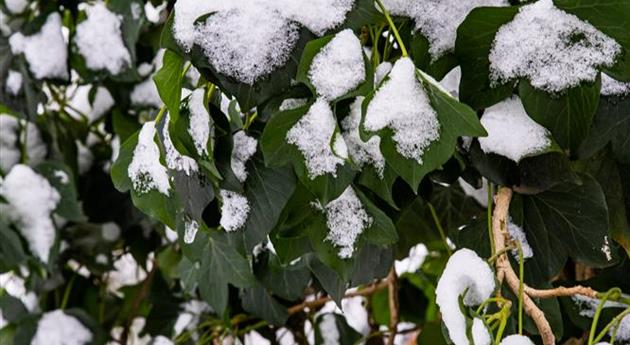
[[168, 81], [568, 116], [285, 281], [609, 17], [474, 41], [259, 302], [382, 231], [13, 310], [267, 190], [567, 220], [329, 280], [611, 125], [11, 251]]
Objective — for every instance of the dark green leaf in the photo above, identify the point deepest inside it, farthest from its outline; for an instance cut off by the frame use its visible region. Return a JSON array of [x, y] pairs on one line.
[[168, 81], [259, 302]]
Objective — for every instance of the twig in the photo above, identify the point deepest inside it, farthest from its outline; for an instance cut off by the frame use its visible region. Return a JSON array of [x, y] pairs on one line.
[[393, 305], [504, 269], [138, 298], [370, 290]]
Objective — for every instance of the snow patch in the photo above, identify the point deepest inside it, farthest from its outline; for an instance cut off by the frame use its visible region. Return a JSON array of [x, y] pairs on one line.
[[174, 159], [328, 330], [516, 339], [402, 105], [338, 68], [16, 6], [244, 148], [480, 333], [234, 210], [145, 171], [292, 103], [31, 201], [146, 94], [94, 110], [58, 328], [190, 231], [312, 135], [46, 51], [554, 50], [511, 132], [413, 262], [480, 195], [362, 152], [318, 16], [518, 234], [611, 87], [14, 82], [464, 271], [100, 42]]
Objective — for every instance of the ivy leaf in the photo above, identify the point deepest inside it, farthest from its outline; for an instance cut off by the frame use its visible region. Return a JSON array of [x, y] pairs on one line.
[[334, 286], [611, 124], [11, 251], [474, 41], [62, 179], [568, 116], [383, 187], [567, 220], [169, 82], [285, 281], [268, 190], [259, 302], [609, 17]]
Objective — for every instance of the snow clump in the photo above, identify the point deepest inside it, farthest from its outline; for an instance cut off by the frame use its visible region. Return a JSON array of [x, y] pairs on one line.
[[145, 171], [234, 210]]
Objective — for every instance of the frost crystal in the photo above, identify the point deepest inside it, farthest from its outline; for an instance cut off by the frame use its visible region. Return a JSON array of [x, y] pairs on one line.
[[480, 333], [511, 132], [46, 51], [612, 87], [518, 234], [402, 105], [58, 328], [190, 231], [257, 42], [99, 39], [312, 135], [362, 153], [338, 68], [145, 171], [438, 20], [516, 339], [174, 159], [234, 210], [14, 82], [346, 220], [244, 148], [328, 330], [31, 201], [553, 49], [317, 15], [465, 271], [199, 124]]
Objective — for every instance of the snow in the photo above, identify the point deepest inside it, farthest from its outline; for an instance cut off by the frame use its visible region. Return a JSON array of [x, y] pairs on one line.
[[145, 171], [480, 195], [346, 220], [464, 271], [190, 231], [605, 248], [85, 158], [99, 40], [438, 20], [355, 312], [554, 50], [14, 82], [312, 135], [292, 103], [339, 146], [15, 286], [62, 176], [413, 262], [451, 80], [10, 145], [511, 132], [154, 13], [317, 15], [518, 234], [16, 6], [258, 41], [161, 340], [126, 272], [186, 12], [136, 10], [328, 330], [612, 87], [516, 339], [362, 152], [402, 105], [338, 68], [46, 51], [481, 335], [146, 94], [58, 328], [244, 148], [174, 159], [381, 71], [31, 201], [588, 305], [94, 110], [623, 329], [234, 210]]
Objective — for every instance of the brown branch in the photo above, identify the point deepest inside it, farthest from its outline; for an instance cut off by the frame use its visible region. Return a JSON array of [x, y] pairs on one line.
[[138, 298], [504, 269], [393, 305], [370, 290], [560, 291]]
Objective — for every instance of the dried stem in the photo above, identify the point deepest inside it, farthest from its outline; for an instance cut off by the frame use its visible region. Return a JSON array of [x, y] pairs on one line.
[[393, 305]]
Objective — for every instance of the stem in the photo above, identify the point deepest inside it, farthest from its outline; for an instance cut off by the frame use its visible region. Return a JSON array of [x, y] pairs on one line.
[[159, 116], [393, 28], [489, 217], [440, 228], [521, 274], [598, 311], [393, 305], [615, 320], [66, 294]]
